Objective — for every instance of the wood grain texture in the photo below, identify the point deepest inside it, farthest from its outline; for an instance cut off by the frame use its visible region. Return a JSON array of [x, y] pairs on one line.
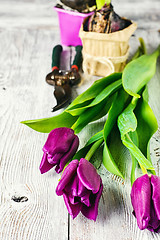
[[28, 31]]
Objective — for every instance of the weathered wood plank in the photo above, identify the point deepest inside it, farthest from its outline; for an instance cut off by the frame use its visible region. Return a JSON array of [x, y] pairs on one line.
[[25, 61], [28, 31], [115, 219]]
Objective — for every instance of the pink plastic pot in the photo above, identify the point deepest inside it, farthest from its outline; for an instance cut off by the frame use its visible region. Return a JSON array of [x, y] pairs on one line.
[[69, 24]]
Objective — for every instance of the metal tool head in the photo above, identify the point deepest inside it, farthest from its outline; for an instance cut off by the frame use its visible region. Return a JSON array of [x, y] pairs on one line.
[[71, 77], [63, 80], [62, 95]]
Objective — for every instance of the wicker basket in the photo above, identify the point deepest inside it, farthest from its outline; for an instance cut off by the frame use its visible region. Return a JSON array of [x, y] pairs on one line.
[[105, 53]]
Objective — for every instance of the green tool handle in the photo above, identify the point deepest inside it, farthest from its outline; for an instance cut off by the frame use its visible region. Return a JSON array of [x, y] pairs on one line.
[[78, 58], [56, 54]]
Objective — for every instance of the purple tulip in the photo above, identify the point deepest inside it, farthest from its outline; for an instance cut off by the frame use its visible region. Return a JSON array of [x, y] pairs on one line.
[[60, 147], [145, 197], [81, 187]]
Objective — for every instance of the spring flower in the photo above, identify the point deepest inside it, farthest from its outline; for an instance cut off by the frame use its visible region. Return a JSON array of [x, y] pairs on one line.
[[60, 147], [81, 187], [145, 197]]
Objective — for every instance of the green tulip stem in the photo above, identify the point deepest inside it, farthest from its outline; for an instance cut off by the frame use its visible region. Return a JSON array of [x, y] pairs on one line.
[[93, 149], [144, 170]]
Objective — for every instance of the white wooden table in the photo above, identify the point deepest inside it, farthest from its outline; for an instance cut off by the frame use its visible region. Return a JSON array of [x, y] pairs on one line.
[[28, 32]]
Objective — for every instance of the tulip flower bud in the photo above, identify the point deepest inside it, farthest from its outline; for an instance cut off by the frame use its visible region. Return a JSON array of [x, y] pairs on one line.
[[60, 147], [145, 198], [81, 187]]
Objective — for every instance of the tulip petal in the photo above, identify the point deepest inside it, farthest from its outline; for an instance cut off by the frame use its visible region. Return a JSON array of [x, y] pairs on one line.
[[59, 140], [72, 209], [67, 175], [88, 175], [141, 200], [55, 158], [154, 223], [92, 212], [45, 166], [67, 156], [86, 200], [72, 187], [84, 194], [155, 182]]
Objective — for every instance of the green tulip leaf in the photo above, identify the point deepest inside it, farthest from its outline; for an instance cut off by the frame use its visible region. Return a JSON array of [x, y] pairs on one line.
[[99, 108], [105, 109], [138, 73], [117, 107], [109, 162], [147, 124], [93, 91], [88, 116], [134, 138], [65, 119], [135, 151], [127, 122], [105, 93], [94, 138], [45, 125]]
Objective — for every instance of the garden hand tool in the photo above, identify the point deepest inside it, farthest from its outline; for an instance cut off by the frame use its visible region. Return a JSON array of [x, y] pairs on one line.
[[63, 80]]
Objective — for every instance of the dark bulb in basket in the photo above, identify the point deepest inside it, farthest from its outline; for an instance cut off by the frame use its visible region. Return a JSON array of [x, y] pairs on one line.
[[105, 20]]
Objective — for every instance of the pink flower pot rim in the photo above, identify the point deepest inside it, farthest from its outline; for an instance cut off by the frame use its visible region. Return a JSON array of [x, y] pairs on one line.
[[73, 12]]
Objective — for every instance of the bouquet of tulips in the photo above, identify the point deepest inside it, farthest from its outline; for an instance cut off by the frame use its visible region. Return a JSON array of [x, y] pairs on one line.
[[122, 99]]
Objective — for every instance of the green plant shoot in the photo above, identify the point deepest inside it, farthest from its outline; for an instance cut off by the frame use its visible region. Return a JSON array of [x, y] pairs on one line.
[[100, 3]]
